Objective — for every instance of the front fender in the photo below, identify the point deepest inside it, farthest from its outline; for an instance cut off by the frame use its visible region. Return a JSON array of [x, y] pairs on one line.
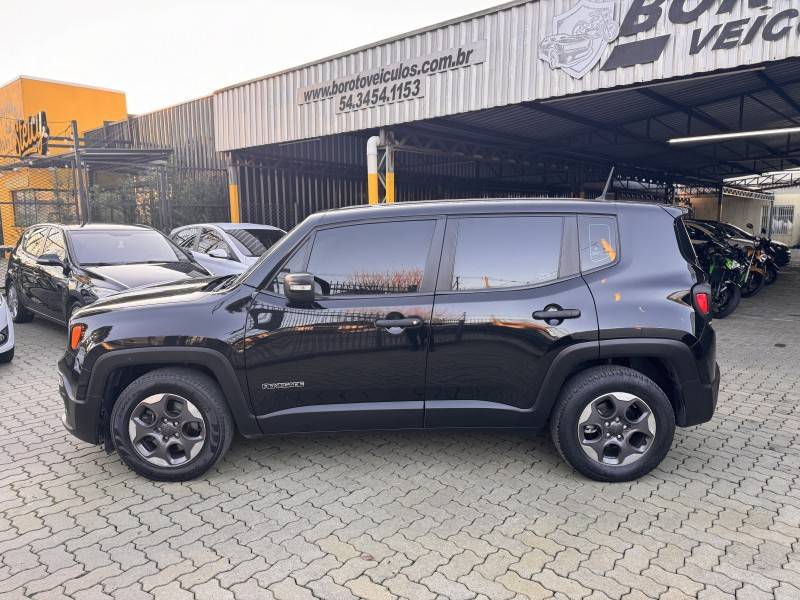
[[207, 358]]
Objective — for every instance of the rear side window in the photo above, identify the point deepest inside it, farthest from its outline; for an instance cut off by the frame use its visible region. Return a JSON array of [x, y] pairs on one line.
[[371, 258], [684, 242], [504, 252], [598, 240]]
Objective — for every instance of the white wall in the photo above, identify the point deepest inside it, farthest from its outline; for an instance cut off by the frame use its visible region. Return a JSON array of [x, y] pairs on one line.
[[735, 210], [789, 196]]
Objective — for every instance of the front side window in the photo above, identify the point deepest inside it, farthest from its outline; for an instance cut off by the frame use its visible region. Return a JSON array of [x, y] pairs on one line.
[[505, 252], [295, 264], [54, 244], [371, 258], [122, 247], [33, 242], [211, 240], [185, 238], [598, 239]]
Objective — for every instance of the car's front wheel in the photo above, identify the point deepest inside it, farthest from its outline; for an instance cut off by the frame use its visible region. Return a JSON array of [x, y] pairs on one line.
[[612, 423], [171, 424]]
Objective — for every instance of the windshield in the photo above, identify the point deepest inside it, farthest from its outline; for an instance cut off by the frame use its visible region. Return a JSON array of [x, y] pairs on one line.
[[736, 232], [254, 242], [95, 248]]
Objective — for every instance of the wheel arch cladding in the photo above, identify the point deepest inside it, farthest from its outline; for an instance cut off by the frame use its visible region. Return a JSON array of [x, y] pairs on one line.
[[115, 370]]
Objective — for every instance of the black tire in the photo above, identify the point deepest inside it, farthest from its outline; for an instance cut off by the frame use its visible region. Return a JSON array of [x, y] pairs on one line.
[[590, 385], [772, 274], [21, 314], [7, 357], [726, 309], [753, 285], [192, 385]]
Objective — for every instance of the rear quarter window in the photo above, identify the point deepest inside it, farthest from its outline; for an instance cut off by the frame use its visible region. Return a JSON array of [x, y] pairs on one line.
[[684, 241], [599, 241]]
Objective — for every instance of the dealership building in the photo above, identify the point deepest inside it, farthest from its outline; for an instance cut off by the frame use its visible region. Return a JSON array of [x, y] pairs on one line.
[[530, 98]]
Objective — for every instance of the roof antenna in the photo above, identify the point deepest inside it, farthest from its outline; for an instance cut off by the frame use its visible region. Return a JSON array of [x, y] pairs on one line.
[[608, 185]]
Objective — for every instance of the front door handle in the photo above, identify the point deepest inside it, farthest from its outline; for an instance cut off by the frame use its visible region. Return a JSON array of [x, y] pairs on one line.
[[554, 315], [402, 323], [557, 314]]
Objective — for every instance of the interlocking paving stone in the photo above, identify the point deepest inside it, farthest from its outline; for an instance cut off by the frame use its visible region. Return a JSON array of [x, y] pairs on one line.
[[416, 515]]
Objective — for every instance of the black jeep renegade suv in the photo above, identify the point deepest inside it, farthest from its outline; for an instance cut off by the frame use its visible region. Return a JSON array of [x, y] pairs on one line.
[[589, 318]]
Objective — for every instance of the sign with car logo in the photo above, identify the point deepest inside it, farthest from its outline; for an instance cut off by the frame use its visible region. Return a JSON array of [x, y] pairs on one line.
[[579, 37]]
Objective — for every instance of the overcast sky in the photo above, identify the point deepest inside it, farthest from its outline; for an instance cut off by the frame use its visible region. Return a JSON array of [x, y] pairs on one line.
[[162, 52]]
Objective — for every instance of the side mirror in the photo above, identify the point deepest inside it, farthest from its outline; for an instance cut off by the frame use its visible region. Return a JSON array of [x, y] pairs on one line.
[[749, 225], [218, 253], [49, 260], [763, 231], [299, 288]]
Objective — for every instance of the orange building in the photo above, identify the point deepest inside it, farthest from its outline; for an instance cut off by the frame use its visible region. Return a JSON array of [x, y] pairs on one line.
[[30, 195]]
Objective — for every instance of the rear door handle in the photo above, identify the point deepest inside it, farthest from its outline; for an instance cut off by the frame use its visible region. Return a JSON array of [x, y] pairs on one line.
[[403, 323], [558, 314]]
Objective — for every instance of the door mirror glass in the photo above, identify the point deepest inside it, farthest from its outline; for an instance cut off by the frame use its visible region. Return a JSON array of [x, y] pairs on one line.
[[218, 253], [49, 260], [749, 225], [763, 231], [299, 288]]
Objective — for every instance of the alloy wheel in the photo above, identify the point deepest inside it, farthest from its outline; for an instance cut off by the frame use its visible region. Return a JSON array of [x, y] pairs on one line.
[[167, 430], [617, 428]]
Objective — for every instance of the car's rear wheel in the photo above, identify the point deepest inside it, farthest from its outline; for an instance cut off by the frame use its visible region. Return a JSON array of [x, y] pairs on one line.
[[612, 423], [171, 424], [19, 314]]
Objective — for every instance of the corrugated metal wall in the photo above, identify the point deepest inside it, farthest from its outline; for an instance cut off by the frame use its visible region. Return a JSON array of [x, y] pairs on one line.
[[187, 128], [266, 111]]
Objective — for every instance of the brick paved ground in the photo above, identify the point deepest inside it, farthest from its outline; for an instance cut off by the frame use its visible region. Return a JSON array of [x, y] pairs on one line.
[[416, 515]]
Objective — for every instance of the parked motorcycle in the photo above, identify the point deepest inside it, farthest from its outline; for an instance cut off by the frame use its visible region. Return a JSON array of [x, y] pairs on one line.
[[725, 275], [770, 262]]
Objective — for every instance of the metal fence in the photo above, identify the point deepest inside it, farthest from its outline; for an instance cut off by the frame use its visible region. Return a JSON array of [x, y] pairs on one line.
[[162, 196]]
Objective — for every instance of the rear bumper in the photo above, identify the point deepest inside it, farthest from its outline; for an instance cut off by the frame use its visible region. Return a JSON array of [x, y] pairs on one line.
[[80, 417]]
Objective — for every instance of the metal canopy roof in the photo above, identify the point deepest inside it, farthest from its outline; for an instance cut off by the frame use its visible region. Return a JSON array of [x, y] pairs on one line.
[[631, 127]]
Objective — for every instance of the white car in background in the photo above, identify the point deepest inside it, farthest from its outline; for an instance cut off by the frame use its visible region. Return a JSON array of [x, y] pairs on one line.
[[6, 333], [226, 248]]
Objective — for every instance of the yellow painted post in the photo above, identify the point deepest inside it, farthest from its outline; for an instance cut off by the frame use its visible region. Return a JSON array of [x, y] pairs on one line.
[[372, 169], [233, 191], [389, 174], [372, 188]]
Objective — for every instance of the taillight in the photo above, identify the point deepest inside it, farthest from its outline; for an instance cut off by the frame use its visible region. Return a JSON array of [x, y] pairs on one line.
[[75, 335], [701, 298]]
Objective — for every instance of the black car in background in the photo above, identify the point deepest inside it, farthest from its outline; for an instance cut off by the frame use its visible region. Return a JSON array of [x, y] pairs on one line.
[[56, 269]]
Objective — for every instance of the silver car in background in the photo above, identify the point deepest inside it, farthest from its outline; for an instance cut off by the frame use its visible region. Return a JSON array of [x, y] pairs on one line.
[[226, 248]]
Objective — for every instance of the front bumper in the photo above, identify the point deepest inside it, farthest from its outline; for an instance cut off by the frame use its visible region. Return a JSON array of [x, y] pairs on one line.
[[80, 416]]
